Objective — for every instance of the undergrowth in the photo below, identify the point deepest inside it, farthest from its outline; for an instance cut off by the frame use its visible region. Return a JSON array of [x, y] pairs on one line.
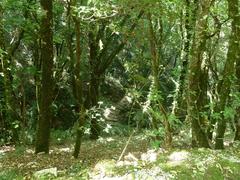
[[100, 159]]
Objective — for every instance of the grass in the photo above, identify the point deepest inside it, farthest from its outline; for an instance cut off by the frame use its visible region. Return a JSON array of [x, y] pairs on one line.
[[10, 174], [99, 160], [205, 164]]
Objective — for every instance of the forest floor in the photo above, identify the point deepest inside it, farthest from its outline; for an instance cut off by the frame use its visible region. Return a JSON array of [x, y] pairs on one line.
[[100, 160]]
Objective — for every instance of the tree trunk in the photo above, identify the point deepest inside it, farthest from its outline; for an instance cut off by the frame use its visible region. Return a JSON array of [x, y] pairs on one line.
[[228, 73], [79, 90], [94, 83], [212, 61], [46, 32], [237, 116], [199, 137], [99, 62], [2, 118], [155, 72], [190, 19]]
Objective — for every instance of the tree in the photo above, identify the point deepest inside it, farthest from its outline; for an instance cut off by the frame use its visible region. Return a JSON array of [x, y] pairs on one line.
[[101, 59], [156, 83], [195, 83], [237, 116], [78, 87], [46, 34], [189, 18], [224, 88], [10, 117]]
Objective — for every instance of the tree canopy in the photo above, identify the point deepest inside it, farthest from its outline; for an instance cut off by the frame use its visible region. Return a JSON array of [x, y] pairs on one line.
[[94, 69]]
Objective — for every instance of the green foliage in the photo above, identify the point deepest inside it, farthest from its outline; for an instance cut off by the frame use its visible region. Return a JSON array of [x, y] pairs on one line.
[[130, 71], [78, 170], [229, 113], [10, 174], [216, 116], [61, 137]]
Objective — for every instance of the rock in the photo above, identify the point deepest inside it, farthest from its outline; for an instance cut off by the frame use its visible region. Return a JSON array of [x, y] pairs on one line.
[[149, 156], [177, 158], [130, 157]]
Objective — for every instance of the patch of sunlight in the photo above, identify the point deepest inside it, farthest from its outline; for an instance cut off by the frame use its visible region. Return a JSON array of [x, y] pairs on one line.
[[229, 158], [152, 174], [105, 140], [149, 156], [228, 143], [2, 153], [44, 172], [65, 150], [129, 160], [29, 151], [177, 158], [33, 164], [5, 149], [103, 169]]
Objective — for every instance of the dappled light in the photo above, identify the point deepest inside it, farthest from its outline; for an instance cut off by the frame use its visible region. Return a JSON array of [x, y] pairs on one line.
[[178, 157], [120, 89]]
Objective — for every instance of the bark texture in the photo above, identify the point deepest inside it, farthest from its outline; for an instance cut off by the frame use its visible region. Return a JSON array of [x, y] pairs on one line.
[[195, 82], [45, 116], [228, 72]]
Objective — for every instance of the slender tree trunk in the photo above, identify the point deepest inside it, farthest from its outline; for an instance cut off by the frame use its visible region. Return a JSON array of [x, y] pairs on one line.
[[190, 20], [92, 101], [79, 90], [94, 83], [37, 79], [155, 72], [199, 136], [237, 116], [228, 73], [212, 51], [46, 32], [2, 47], [70, 47]]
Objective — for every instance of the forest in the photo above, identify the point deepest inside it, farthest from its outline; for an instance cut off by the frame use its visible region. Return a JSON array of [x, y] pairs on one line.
[[120, 89]]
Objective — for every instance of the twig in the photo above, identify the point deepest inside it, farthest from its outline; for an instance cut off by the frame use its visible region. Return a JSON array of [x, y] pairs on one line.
[[124, 149]]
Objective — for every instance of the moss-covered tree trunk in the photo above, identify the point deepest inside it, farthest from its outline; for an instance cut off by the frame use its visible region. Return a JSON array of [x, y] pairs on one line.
[[195, 83], [237, 116], [2, 119], [190, 19], [95, 77], [46, 35], [229, 70], [79, 89], [155, 73]]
